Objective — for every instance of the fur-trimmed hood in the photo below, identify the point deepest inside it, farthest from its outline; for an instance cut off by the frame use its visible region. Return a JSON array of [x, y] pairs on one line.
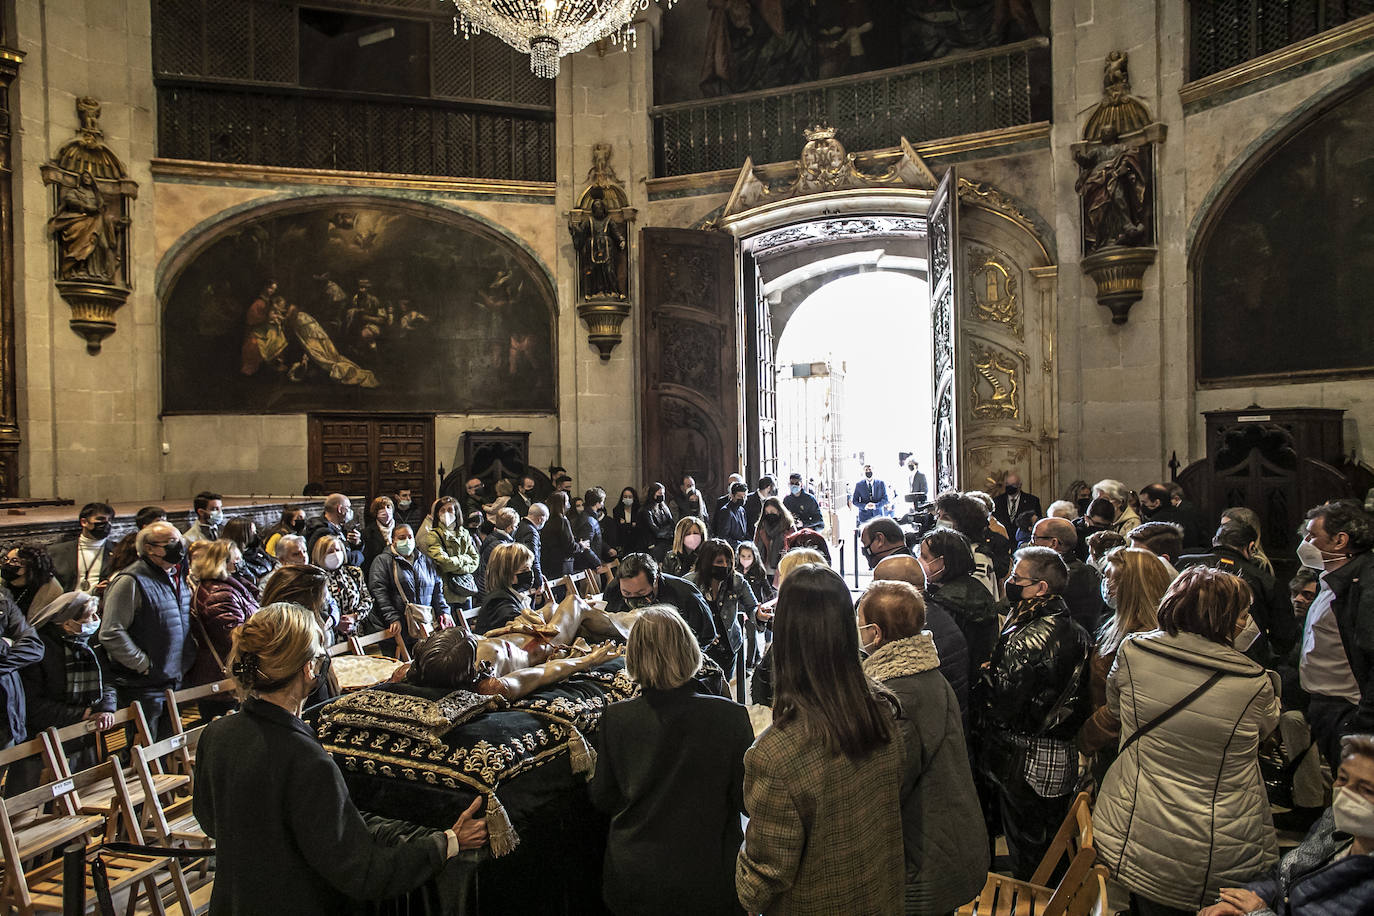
[[903, 657]]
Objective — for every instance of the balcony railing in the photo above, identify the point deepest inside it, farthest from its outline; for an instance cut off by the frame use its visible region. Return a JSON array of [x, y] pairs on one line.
[[984, 90], [1225, 33], [315, 129]]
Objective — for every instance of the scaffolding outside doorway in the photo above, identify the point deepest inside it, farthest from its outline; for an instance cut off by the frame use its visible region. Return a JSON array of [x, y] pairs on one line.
[[811, 430]]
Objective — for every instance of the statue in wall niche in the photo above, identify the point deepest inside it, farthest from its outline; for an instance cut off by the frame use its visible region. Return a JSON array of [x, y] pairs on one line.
[[600, 251], [1113, 182], [85, 238]]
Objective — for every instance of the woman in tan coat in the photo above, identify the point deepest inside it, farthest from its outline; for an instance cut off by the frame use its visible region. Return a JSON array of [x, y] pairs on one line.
[[822, 786], [1183, 811]]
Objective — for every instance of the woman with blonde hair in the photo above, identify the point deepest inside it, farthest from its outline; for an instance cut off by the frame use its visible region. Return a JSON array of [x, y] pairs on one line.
[[1251, 518], [288, 838], [509, 578], [1183, 812], [670, 773], [1133, 582], [352, 603], [221, 603], [688, 537]]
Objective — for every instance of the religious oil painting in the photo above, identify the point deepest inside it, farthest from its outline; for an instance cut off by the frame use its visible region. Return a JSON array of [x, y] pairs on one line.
[[358, 305]]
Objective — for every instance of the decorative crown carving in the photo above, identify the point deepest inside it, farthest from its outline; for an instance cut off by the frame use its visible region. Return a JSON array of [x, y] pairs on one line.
[[817, 132]]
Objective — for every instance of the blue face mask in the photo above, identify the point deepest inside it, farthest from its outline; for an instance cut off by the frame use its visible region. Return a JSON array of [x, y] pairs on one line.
[[795, 488]]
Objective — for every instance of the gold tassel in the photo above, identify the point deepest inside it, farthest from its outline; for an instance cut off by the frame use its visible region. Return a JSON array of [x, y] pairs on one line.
[[581, 755], [500, 833]]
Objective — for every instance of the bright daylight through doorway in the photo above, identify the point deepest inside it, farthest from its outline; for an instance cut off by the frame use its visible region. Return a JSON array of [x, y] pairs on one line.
[[854, 387]]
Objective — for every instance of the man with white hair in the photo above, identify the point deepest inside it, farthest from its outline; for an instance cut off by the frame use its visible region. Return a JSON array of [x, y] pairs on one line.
[[527, 533], [291, 550], [338, 512], [146, 625], [1119, 495]]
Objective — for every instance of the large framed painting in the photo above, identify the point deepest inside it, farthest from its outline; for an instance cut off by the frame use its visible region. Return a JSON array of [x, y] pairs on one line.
[[357, 304]]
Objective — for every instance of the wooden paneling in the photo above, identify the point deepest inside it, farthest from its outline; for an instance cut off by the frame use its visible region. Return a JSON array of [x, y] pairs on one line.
[[372, 455]]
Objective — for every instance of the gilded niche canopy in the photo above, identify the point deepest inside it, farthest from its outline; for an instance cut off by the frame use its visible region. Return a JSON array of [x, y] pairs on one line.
[[356, 304]]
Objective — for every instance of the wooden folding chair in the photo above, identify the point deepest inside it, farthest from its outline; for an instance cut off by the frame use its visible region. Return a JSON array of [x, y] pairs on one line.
[[174, 824], [33, 756], [27, 834], [1072, 846], [361, 644], [1091, 899], [176, 699], [100, 797]]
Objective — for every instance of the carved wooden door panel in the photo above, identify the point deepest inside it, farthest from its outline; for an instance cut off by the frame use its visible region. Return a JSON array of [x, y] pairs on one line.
[[690, 384], [766, 347], [1009, 420], [367, 456], [943, 221]]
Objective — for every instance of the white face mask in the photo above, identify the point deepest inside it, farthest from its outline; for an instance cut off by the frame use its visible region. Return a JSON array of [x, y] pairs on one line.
[[333, 560], [627, 501], [867, 647], [91, 627], [1311, 556], [1354, 814], [1107, 597], [446, 519], [1247, 636], [217, 518]]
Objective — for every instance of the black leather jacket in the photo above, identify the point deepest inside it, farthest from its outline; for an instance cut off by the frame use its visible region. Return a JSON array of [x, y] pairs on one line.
[[1036, 683]]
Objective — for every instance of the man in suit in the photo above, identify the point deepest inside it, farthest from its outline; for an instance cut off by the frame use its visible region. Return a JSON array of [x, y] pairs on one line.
[[527, 533], [753, 506], [919, 488], [83, 563], [870, 495], [1012, 501]]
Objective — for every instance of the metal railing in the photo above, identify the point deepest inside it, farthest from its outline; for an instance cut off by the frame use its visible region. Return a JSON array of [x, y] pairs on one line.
[[964, 94], [1224, 33], [317, 129]]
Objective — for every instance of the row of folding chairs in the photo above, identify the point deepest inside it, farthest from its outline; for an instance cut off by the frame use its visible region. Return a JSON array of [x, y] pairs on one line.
[[147, 802]]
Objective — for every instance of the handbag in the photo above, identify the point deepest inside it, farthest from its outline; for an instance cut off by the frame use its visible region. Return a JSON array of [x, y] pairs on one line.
[[419, 617], [209, 644]]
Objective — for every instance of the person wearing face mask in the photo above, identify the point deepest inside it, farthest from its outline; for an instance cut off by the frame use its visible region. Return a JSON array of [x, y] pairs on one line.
[[220, 604], [523, 497], [753, 506], [1336, 664], [656, 524], [688, 537], [946, 854], [619, 528], [69, 684], [146, 625], [556, 541], [287, 835], [255, 565], [28, 575], [586, 525], [730, 522], [803, 505], [350, 602], [639, 583], [775, 524], [881, 538], [509, 579], [728, 596], [1183, 811], [1013, 500], [209, 509], [450, 548], [870, 495], [472, 496], [1233, 550], [1332, 871], [409, 510], [292, 522], [502, 532], [336, 519], [1133, 582], [529, 532], [83, 563], [377, 531], [1029, 702], [947, 562], [19, 648], [761, 584], [1083, 594], [404, 575]]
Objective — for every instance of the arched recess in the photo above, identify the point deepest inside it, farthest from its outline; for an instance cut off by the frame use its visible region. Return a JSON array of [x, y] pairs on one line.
[[1280, 250], [385, 305]]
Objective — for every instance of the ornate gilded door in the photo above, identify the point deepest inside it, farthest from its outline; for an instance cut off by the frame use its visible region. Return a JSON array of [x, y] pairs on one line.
[[688, 338], [943, 221]]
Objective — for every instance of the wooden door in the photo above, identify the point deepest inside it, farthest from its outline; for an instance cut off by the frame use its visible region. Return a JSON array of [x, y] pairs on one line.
[[943, 220], [690, 378], [367, 456]]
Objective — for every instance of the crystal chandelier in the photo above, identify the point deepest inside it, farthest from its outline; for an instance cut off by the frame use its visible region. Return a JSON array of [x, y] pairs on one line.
[[548, 29]]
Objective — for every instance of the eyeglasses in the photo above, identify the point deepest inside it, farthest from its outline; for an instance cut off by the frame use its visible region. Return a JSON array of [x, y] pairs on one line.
[[322, 663], [1017, 579], [1042, 537]]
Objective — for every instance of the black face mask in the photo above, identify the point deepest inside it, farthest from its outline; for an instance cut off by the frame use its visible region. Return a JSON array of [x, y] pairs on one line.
[[1012, 490], [720, 573], [10, 573], [658, 498], [1149, 513], [100, 531], [1083, 505], [174, 553], [1014, 592], [524, 581], [772, 519], [298, 526]]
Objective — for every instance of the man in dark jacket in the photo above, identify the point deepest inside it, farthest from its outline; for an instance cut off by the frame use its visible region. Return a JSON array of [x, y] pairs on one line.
[[146, 625], [1083, 593], [1233, 550], [753, 506], [730, 522], [523, 497], [1012, 501], [338, 513], [881, 538], [409, 510], [1337, 656], [803, 505], [20, 648], [1157, 505], [83, 562], [527, 533], [1031, 700], [639, 583]]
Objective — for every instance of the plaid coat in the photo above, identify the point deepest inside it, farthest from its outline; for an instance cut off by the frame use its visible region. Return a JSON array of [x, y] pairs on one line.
[[825, 832]]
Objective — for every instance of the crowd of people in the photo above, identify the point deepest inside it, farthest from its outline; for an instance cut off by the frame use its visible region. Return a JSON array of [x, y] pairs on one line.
[[1000, 663]]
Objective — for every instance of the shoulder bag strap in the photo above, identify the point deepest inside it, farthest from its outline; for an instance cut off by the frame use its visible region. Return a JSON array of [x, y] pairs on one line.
[[1169, 713], [205, 635], [396, 577]]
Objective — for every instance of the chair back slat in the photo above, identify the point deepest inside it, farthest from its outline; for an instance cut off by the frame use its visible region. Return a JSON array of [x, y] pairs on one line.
[[361, 644], [176, 699], [129, 716]]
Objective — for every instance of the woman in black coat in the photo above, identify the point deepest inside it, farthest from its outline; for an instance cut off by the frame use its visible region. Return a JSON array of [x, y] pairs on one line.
[[670, 773], [510, 576], [620, 528], [288, 838], [656, 524], [556, 543]]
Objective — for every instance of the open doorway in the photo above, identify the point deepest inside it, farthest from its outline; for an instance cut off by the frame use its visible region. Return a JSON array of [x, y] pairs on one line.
[[854, 387]]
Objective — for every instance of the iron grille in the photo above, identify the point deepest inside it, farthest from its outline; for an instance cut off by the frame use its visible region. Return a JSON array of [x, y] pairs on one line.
[[1225, 33], [987, 90]]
